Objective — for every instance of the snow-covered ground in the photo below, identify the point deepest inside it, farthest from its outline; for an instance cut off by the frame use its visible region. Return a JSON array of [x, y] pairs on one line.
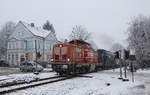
[[7, 70], [97, 85], [5, 79], [13, 75]]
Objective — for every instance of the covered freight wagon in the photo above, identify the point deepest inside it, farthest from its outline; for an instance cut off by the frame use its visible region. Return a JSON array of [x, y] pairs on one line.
[[107, 59]]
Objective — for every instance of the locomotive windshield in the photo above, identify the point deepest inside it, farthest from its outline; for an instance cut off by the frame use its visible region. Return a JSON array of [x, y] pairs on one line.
[[60, 53]]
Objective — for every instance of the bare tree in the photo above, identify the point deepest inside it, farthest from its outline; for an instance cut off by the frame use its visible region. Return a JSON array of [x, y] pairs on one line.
[[80, 33], [116, 46], [139, 37], [5, 32]]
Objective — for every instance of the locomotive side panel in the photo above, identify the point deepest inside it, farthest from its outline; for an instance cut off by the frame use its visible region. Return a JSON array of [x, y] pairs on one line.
[[77, 54]]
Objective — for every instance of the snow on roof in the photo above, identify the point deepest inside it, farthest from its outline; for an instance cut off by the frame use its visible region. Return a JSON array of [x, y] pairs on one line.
[[37, 31]]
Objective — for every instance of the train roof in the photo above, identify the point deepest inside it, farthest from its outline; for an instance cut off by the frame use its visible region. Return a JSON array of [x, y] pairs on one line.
[[79, 42]]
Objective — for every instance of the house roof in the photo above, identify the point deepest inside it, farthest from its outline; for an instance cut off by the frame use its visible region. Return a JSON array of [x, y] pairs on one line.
[[37, 31]]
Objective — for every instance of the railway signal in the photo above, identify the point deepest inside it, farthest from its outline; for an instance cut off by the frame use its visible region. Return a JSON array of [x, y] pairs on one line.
[[126, 56], [132, 58], [117, 54], [123, 55]]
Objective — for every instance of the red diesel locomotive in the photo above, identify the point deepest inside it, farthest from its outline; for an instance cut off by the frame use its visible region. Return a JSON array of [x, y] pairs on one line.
[[74, 57]]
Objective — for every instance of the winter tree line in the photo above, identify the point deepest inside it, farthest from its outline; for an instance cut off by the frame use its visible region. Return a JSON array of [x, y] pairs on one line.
[[138, 36], [5, 32]]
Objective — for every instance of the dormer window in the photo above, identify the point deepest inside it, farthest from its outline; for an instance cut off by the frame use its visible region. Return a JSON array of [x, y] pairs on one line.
[[19, 33], [22, 33]]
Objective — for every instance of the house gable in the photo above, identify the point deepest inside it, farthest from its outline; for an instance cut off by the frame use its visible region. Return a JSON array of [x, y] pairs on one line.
[[21, 32], [13, 39], [51, 37]]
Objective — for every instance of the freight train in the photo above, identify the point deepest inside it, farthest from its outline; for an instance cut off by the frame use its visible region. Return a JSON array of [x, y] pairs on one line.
[[76, 57]]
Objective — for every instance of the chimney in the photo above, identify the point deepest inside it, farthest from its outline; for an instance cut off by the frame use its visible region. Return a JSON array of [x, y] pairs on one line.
[[32, 24]]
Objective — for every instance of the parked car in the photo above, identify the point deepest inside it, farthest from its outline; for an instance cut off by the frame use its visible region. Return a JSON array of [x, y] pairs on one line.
[[43, 63], [30, 66], [3, 63]]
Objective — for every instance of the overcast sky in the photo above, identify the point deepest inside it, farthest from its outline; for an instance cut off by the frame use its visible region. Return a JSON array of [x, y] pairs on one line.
[[105, 19]]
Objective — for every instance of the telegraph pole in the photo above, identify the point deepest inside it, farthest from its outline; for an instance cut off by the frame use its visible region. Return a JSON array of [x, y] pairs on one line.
[[43, 48], [125, 71], [120, 64], [35, 51], [132, 71], [36, 58]]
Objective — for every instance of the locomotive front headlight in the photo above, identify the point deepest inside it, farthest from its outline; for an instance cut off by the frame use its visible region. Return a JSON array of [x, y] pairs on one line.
[[68, 59], [52, 59], [60, 46]]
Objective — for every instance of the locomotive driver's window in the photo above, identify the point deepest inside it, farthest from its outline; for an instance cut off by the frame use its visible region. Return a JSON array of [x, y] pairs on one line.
[[85, 54]]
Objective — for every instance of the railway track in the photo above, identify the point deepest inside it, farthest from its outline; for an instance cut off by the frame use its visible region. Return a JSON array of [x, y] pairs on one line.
[[20, 86], [24, 82]]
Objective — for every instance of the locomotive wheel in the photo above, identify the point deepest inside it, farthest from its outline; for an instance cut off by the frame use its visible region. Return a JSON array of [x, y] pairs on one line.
[[87, 69], [83, 70]]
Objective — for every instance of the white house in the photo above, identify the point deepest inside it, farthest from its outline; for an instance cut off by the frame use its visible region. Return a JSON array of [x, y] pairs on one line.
[[24, 41]]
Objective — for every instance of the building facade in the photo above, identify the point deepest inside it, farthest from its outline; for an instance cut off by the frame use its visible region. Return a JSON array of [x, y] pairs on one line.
[[27, 40]]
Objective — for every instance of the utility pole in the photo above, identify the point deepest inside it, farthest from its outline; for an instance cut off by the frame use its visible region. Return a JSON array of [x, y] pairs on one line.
[[125, 70], [132, 71], [120, 64], [36, 58], [35, 51], [43, 49]]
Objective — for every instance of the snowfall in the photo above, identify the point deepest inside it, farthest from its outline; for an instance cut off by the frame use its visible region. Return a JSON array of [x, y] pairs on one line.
[[93, 84]]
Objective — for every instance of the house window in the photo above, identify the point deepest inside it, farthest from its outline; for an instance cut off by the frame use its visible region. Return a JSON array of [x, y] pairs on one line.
[[13, 45], [16, 45], [22, 45], [46, 44], [9, 45], [9, 56], [40, 44], [17, 57], [29, 44], [19, 33], [22, 33]]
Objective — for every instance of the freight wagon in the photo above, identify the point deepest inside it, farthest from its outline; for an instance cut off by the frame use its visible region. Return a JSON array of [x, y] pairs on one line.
[[107, 59]]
